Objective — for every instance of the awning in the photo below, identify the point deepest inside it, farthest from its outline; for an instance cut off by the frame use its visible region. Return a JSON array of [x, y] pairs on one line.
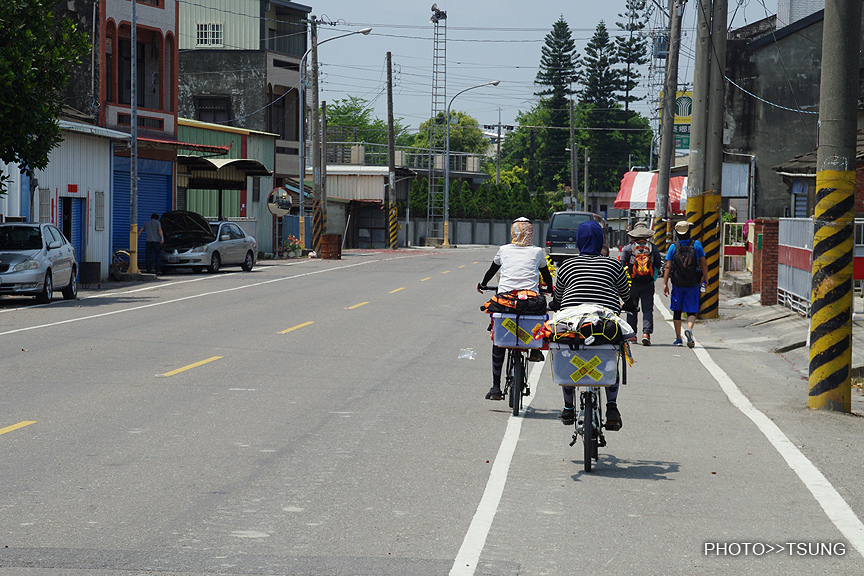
[[247, 165], [162, 144], [639, 189]]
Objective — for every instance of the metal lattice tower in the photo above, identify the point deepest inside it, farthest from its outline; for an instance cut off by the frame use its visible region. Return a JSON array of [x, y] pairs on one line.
[[435, 206]]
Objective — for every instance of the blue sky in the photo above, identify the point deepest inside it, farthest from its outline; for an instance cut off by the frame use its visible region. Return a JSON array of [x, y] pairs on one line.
[[486, 40]]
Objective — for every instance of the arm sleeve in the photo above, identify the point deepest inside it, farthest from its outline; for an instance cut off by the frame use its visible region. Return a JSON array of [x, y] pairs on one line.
[[493, 269], [547, 277], [622, 283]]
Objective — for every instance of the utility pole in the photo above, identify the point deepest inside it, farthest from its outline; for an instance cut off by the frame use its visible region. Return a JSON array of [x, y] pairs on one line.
[[667, 137], [834, 217], [133, 156], [390, 189], [531, 164], [323, 167], [498, 151], [319, 222], [711, 221], [585, 190], [699, 118], [574, 169]]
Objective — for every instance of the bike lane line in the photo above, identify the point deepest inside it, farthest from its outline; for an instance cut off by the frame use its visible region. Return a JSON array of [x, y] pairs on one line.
[[835, 507], [475, 539]]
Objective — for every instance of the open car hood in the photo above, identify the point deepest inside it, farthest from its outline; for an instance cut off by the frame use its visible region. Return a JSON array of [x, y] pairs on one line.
[[182, 228]]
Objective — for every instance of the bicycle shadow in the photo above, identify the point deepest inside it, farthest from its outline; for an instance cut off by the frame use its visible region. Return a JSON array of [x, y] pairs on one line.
[[608, 466]]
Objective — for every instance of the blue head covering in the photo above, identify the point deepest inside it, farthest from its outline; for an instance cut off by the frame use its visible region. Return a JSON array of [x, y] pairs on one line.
[[589, 238]]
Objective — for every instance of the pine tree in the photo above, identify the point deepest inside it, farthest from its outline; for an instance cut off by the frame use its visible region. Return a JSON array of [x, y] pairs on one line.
[[559, 64], [633, 48], [601, 81]]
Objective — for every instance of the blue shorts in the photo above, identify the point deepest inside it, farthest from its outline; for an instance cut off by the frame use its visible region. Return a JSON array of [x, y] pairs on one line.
[[684, 299]]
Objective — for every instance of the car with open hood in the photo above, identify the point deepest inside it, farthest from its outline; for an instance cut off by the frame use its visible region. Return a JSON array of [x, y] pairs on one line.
[[193, 242], [36, 260]]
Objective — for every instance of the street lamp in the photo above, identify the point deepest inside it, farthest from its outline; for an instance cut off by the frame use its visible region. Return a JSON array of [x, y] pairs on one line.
[[301, 108], [447, 161]]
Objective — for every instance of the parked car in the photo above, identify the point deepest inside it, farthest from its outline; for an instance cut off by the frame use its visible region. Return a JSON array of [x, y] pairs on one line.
[[561, 236], [193, 242], [36, 259]]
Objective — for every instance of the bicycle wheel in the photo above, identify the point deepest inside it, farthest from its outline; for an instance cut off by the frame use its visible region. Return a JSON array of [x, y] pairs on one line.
[[518, 382], [588, 429], [508, 378]]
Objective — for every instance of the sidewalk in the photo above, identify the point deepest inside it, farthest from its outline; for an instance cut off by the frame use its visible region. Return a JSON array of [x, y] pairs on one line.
[[783, 331]]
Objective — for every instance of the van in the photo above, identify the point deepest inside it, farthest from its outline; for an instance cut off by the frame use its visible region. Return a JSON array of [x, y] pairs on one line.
[[561, 236]]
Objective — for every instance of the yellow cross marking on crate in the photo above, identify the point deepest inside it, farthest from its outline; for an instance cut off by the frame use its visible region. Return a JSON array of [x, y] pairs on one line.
[[586, 368]]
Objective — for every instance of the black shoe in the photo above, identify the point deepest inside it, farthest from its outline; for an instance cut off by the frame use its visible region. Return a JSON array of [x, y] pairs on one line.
[[494, 394], [536, 356], [613, 417], [568, 416]]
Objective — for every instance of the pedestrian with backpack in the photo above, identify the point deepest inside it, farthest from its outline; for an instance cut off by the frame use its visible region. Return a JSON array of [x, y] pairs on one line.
[[642, 261], [687, 267]]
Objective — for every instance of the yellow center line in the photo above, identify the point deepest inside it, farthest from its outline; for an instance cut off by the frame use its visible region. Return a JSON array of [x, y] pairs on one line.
[[357, 305], [16, 426], [462, 266], [445, 272], [189, 367], [296, 327], [427, 278], [396, 290], [475, 262]]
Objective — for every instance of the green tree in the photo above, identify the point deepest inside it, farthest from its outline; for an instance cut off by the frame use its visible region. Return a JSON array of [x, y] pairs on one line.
[[600, 80], [37, 53], [352, 120], [465, 134], [632, 49], [559, 64], [418, 197]]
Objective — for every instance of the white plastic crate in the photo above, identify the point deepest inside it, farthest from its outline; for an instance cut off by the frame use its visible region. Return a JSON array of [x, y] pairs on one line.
[[515, 331], [585, 366]]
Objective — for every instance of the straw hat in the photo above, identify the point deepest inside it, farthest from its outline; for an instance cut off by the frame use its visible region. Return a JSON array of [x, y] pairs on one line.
[[683, 227]]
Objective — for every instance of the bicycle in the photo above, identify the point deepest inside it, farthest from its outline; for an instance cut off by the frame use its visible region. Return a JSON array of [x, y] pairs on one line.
[[120, 260], [584, 364], [515, 380]]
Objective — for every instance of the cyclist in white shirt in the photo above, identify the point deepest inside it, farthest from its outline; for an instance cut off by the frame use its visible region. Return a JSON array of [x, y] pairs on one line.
[[521, 264]]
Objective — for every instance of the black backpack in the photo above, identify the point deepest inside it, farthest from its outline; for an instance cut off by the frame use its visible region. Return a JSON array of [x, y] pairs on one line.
[[685, 269]]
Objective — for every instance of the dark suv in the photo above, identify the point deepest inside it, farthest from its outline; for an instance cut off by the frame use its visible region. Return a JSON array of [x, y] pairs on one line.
[[561, 236]]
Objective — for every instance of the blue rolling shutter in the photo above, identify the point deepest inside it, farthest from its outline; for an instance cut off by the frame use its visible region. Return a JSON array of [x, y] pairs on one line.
[[154, 196]]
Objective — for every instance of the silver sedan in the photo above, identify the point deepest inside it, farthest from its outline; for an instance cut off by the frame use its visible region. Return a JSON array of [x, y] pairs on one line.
[[36, 259], [192, 242]]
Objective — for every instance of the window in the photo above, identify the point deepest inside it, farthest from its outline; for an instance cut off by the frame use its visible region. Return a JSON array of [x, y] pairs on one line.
[[208, 34], [256, 189], [99, 208], [215, 109]]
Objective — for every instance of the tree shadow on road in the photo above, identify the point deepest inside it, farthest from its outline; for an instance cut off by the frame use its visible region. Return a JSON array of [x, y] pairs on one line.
[[609, 466]]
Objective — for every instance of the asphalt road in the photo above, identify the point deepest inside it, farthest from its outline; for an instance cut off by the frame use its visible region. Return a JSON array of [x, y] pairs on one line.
[[326, 418]]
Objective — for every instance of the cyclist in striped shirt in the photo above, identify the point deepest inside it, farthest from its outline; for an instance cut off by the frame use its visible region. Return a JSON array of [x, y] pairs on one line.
[[589, 278]]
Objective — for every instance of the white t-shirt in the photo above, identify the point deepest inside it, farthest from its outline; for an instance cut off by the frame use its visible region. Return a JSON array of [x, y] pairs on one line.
[[519, 267]]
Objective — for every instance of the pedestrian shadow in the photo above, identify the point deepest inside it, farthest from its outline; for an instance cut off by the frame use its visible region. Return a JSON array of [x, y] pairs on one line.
[[609, 466]]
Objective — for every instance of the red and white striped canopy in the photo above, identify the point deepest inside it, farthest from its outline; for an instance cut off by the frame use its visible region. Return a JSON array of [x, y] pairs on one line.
[[638, 190]]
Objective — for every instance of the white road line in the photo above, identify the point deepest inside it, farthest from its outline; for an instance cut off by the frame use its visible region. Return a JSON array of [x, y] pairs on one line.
[[475, 539], [835, 507], [174, 301]]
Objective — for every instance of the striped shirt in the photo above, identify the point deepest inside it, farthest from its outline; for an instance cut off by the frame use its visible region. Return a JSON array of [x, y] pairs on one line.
[[591, 280]]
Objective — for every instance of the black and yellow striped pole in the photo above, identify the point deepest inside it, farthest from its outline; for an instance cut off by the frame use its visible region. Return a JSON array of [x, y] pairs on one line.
[[710, 238], [394, 228], [317, 226], [659, 239], [834, 217]]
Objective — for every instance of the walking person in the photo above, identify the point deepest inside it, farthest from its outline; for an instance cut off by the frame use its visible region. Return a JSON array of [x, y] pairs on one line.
[[521, 264], [686, 266], [642, 261], [153, 244], [590, 278]]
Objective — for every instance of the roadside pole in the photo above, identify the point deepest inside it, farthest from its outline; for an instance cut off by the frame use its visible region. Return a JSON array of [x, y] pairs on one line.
[[574, 174], [667, 137], [699, 119], [133, 155], [711, 224], [390, 189], [834, 217], [318, 222]]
